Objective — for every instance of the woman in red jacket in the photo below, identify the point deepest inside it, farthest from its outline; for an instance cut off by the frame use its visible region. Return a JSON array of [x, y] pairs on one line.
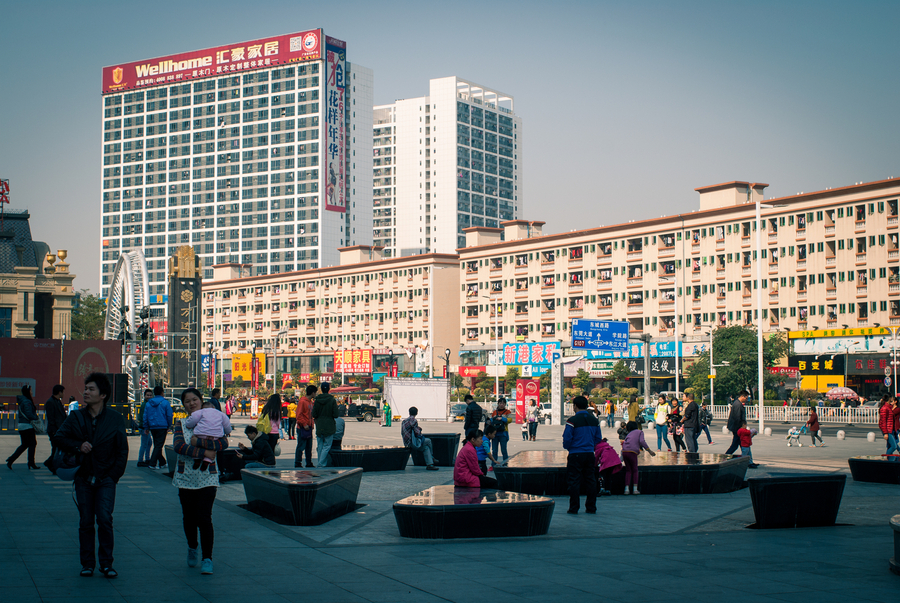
[[466, 472], [888, 419], [813, 424]]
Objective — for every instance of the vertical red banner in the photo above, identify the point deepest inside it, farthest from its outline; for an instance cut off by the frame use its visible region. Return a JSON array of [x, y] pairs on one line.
[[527, 391], [445, 371]]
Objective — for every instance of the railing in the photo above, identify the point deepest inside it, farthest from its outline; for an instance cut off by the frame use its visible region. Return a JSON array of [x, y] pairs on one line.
[[799, 414]]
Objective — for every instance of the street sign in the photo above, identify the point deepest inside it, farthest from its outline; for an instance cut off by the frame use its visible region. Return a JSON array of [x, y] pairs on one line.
[[609, 335], [887, 381], [887, 371], [711, 376]]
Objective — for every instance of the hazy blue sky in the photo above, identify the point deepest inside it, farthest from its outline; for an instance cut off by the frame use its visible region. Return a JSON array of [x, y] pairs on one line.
[[626, 106]]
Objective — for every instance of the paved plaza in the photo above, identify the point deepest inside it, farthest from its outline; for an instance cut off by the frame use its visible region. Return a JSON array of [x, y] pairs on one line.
[[651, 548]]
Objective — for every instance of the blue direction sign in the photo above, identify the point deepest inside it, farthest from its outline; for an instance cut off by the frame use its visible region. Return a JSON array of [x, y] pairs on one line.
[[609, 335]]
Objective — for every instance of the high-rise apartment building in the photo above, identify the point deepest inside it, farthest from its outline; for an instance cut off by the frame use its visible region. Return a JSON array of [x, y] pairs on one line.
[[256, 153], [442, 163]]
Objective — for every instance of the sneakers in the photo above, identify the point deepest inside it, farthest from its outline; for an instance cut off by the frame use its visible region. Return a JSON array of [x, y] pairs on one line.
[[193, 557], [206, 566], [636, 492], [432, 468], [812, 445], [711, 443], [752, 465]]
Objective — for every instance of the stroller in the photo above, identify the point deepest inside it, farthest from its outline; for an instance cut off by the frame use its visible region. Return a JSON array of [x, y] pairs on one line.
[[793, 436]]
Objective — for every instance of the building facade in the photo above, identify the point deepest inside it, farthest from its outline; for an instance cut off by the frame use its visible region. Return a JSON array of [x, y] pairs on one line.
[[255, 153], [383, 306], [443, 163], [829, 263]]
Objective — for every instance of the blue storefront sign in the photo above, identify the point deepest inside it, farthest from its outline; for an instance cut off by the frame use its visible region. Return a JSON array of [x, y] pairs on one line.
[[607, 335], [658, 349]]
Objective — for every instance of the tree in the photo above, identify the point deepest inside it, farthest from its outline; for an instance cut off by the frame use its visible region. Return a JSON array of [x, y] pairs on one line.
[[456, 382], [512, 375], [546, 380], [88, 316], [619, 374], [582, 380]]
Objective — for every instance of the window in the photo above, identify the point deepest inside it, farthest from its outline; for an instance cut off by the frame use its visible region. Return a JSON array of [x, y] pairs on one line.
[[5, 322]]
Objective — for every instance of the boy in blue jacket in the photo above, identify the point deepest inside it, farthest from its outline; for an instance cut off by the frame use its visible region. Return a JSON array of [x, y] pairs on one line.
[[158, 419]]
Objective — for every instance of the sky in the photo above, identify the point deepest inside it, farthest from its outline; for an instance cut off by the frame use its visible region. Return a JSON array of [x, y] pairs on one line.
[[627, 106]]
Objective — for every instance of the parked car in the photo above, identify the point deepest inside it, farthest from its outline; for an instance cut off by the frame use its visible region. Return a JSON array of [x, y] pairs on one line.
[[363, 412], [458, 412]]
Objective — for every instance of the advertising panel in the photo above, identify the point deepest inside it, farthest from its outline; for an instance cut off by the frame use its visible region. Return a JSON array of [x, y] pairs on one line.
[[635, 349], [242, 367], [335, 116], [530, 353], [353, 362], [267, 52], [471, 371], [609, 335], [527, 391]]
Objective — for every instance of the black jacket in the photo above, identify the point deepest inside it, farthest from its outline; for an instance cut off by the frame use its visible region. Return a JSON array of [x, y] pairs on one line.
[[474, 413], [691, 418], [109, 445], [737, 416], [25, 410], [260, 452], [56, 415]]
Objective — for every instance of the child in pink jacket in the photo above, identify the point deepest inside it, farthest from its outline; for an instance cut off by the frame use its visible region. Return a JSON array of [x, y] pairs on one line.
[[608, 463]]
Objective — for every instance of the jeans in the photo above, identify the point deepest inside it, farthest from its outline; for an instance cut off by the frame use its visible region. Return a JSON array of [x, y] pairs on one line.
[[95, 501], [303, 445], [159, 441], [735, 443], [690, 439], [292, 425], [426, 450], [322, 450], [745, 451], [532, 429], [705, 429], [499, 444], [662, 434], [581, 470], [28, 439], [610, 420], [196, 512], [146, 446]]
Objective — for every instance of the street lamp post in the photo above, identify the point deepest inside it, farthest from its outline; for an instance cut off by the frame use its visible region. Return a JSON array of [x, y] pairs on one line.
[[253, 368], [211, 371], [496, 350], [894, 331]]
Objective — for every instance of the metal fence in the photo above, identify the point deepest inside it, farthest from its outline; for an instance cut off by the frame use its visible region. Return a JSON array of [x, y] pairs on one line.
[[867, 415], [8, 422]]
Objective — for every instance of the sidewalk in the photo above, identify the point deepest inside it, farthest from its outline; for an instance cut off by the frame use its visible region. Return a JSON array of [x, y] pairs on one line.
[[652, 548]]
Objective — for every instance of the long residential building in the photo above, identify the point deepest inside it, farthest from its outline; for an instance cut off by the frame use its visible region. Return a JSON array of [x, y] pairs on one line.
[[255, 153], [443, 163]]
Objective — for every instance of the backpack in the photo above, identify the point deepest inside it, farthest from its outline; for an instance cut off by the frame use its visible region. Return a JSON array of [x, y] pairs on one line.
[[499, 423]]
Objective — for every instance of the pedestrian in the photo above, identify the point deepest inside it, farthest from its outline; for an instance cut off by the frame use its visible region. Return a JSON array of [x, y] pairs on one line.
[[305, 428], [631, 448], [98, 434], [283, 422], [207, 424], [610, 414], [691, 423], [214, 399], [484, 451], [292, 419], [706, 419], [634, 411], [608, 464], [661, 417], [736, 416], [244, 405], [387, 414], [158, 420], [474, 414], [146, 438], [580, 437], [269, 421], [56, 414], [813, 424], [73, 404], [324, 412], [746, 442], [466, 472], [261, 455], [676, 429], [25, 414], [338, 438], [500, 421], [229, 408], [534, 415], [197, 487], [888, 422], [413, 438]]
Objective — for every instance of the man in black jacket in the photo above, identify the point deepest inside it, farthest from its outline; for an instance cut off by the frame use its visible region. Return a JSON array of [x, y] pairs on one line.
[[56, 414], [691, 423], [97, 433], [737, 416], [473, 414], [260, 456]]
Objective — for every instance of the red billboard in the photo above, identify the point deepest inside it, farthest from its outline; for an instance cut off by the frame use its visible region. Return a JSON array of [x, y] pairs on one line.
[[527, 391], [266, 52], [37, 362], [353, 362]]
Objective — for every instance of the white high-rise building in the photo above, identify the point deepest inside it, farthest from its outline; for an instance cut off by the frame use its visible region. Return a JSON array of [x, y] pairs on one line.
[[442, 163], [254, 153]]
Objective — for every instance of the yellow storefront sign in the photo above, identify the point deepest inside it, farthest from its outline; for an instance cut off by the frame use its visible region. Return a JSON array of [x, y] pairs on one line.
[[242, 367]]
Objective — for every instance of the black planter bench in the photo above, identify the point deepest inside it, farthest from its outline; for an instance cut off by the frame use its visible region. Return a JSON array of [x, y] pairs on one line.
[[451, 512], [895, 560], [544, 472], [876, 469], [302, 497], [371, 458], [800, 501], [443, 445]]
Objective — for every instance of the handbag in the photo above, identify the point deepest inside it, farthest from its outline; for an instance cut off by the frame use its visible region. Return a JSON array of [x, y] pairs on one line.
[[304, 433], [39, 426], [416, 441], [66, 465], [264, 424], [277, 450]]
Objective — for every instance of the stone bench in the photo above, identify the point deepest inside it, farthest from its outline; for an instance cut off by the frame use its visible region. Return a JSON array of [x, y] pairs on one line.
[[895, 560], [444, 447], [788, 501], [876, 469], [544, 472], [371, 458], [451, 512], [302, 497]]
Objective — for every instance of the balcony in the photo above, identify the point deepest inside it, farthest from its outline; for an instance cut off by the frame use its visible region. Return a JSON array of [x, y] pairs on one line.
[[745, 270], [801, 234], [892, 222], [773, 237], [576, 287], [831, 293], [634, 256], [720, 273], [862, 291], [893, 288], [893, 255], [801, 295], [829, 230], [773, 298], [830, 261], [860, 258], [801, 264], [548, 314], [860, 225], [635, 282], [521, 315], [895, 320], [576, 311]]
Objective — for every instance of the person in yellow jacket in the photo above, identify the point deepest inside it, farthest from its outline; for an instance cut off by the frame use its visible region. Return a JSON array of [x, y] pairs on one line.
[[660, 418]]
